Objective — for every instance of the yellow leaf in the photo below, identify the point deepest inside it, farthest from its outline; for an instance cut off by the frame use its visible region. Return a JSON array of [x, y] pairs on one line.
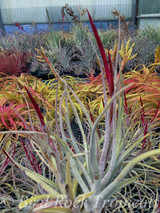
[[127, 45], [41, 60], [82, 197], [157, 55], [133, 56], [7, 145], [39, 56], [43, 51], [57, 210], [98, 62], [121, 51], [38, 51], [133, 45], [1, 136], [114, 51], [129, 54], [115, 46]]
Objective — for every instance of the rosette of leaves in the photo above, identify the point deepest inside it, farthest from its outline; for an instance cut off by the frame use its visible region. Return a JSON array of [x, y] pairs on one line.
[[151, 33], [40, 70], [80, 35], [107, 37], [9, 43], [85, 59], [60, 51], [21, 42], [56, 39], [101, 166], [13, 62]]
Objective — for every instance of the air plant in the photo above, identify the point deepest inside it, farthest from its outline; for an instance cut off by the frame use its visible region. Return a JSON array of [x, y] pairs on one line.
[[9, 116], [146, 85], [90, 193], [99, 168], [54, 40], [13, 62], [79, 33], [150, 32]]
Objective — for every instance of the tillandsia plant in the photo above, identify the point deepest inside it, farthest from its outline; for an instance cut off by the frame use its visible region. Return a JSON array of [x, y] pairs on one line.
[[87, 177], [59, 153], [13, 99], [13, 62], [147, 87], [9, 117], [150, 32]]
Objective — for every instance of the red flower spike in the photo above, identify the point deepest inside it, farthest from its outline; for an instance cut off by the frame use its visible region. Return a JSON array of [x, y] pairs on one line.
[[19, 26], [39, 113], [110, 65], [102, 51]]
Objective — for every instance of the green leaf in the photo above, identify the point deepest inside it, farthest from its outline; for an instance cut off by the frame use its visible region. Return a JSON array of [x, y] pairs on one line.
[[68, 179], [38, 198], [77, 175], [106, 192], [124, 183], [130, 149], [40, 181]]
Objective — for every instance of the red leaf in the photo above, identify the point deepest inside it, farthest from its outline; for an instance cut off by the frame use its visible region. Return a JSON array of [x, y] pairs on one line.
[[144, 140], [3, 121], [41, 118], [156, 112], [142, 112], [26, 151], [9, 157], [39, 170], [12, 122], [109, 74]]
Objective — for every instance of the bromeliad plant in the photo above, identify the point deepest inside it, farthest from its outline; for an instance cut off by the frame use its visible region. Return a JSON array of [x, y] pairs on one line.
[[13, 62], [146, 85], [95, 172], [9, 116]]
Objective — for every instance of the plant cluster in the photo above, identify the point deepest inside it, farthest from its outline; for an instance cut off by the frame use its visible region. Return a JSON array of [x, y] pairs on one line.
[[112, 165]]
